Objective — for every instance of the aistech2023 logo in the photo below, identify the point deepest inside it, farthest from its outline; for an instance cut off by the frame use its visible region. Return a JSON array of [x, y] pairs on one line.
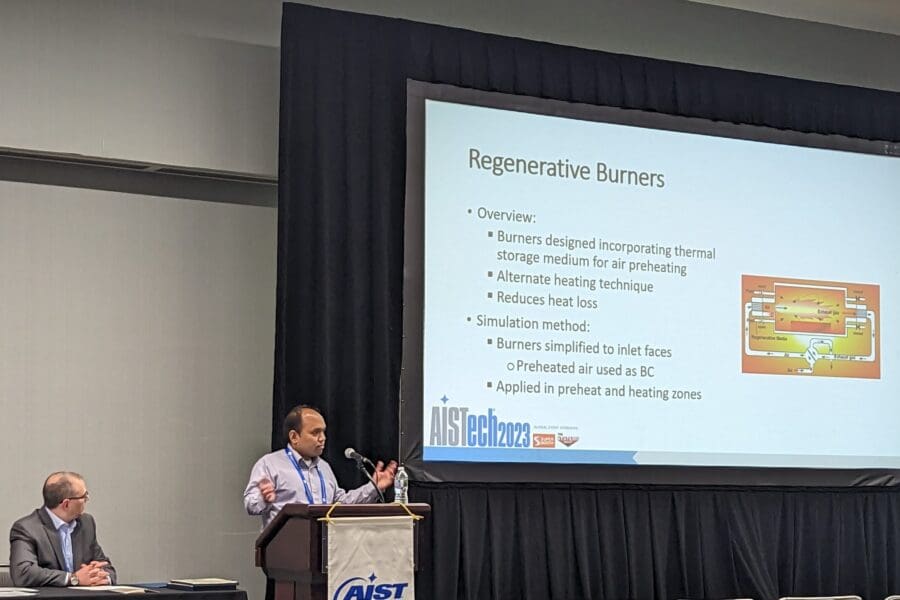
[[365, 588], [459, 426]]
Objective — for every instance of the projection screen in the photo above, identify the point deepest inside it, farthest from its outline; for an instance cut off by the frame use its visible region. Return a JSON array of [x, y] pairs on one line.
[[600, 294]]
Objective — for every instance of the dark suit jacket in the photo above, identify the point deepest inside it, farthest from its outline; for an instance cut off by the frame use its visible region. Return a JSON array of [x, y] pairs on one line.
[[35, 552]]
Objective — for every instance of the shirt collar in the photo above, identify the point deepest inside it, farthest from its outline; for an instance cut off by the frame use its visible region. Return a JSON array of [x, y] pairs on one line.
[[59, 523], [308, 464]]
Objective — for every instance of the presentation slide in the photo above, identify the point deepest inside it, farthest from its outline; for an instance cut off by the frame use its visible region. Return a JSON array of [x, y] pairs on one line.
[[598, 293]]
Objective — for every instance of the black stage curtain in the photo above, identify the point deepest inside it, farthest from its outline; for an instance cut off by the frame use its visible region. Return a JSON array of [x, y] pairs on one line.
[[580, 542], [338, 330]]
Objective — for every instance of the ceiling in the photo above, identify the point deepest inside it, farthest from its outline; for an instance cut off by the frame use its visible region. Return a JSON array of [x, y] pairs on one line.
[[870, 15]]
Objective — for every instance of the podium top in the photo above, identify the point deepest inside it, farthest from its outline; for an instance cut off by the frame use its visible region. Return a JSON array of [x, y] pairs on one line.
[[317, 511]]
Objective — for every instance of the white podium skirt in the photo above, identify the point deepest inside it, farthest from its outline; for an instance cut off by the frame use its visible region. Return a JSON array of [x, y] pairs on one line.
[[370, 558]]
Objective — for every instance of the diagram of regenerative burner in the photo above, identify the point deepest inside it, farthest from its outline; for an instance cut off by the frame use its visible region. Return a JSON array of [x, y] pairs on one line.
[[810, 328]]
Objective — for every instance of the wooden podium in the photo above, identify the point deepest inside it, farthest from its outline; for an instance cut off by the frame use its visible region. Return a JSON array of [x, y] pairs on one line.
[[292, 549]]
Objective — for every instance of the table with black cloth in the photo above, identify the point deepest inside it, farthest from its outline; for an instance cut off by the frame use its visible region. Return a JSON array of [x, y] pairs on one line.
[[152, 593]]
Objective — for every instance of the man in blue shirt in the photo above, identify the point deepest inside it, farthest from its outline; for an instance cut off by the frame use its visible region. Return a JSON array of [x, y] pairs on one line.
[[56, 545], [298, 474]]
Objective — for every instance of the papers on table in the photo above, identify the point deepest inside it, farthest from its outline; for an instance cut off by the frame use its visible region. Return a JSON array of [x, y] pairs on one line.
[[14, 592], [119, 589]]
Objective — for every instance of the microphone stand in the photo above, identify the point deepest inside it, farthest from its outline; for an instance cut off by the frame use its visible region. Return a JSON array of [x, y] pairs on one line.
[[362, 467]]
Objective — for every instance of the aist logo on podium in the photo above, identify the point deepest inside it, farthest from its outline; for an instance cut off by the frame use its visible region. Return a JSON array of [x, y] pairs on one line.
[[365, 588]]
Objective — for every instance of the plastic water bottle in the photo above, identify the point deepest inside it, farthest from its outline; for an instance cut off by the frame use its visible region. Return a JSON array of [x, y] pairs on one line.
[[401, 486]]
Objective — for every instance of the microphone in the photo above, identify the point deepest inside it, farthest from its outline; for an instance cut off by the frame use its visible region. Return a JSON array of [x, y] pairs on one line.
[[359, 458], [360, 461]]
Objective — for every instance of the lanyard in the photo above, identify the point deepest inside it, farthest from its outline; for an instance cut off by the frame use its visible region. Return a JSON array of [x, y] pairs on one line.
[[306, 489]]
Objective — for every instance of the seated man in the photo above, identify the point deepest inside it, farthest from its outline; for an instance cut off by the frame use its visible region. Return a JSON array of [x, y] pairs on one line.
[[57, 543], [297, 473]]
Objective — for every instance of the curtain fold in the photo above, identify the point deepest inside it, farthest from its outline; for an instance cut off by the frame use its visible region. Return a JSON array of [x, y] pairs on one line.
[[596, 542]]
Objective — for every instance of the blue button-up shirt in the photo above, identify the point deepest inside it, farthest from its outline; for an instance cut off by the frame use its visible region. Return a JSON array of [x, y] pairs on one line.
[[278, 468], [65, 538]]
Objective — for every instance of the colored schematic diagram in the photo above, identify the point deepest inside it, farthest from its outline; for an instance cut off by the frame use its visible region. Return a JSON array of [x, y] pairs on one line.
[[810, 328]]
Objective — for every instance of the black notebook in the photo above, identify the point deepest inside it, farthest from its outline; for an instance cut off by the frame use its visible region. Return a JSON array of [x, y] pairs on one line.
[[203, 583]]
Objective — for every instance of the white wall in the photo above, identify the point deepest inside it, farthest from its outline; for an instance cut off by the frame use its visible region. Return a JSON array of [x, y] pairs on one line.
[[161, 81], [136, 349]]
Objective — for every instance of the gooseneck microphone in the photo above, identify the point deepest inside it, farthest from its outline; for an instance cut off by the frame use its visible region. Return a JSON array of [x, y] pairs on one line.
[[361, 461], [359, 458]]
